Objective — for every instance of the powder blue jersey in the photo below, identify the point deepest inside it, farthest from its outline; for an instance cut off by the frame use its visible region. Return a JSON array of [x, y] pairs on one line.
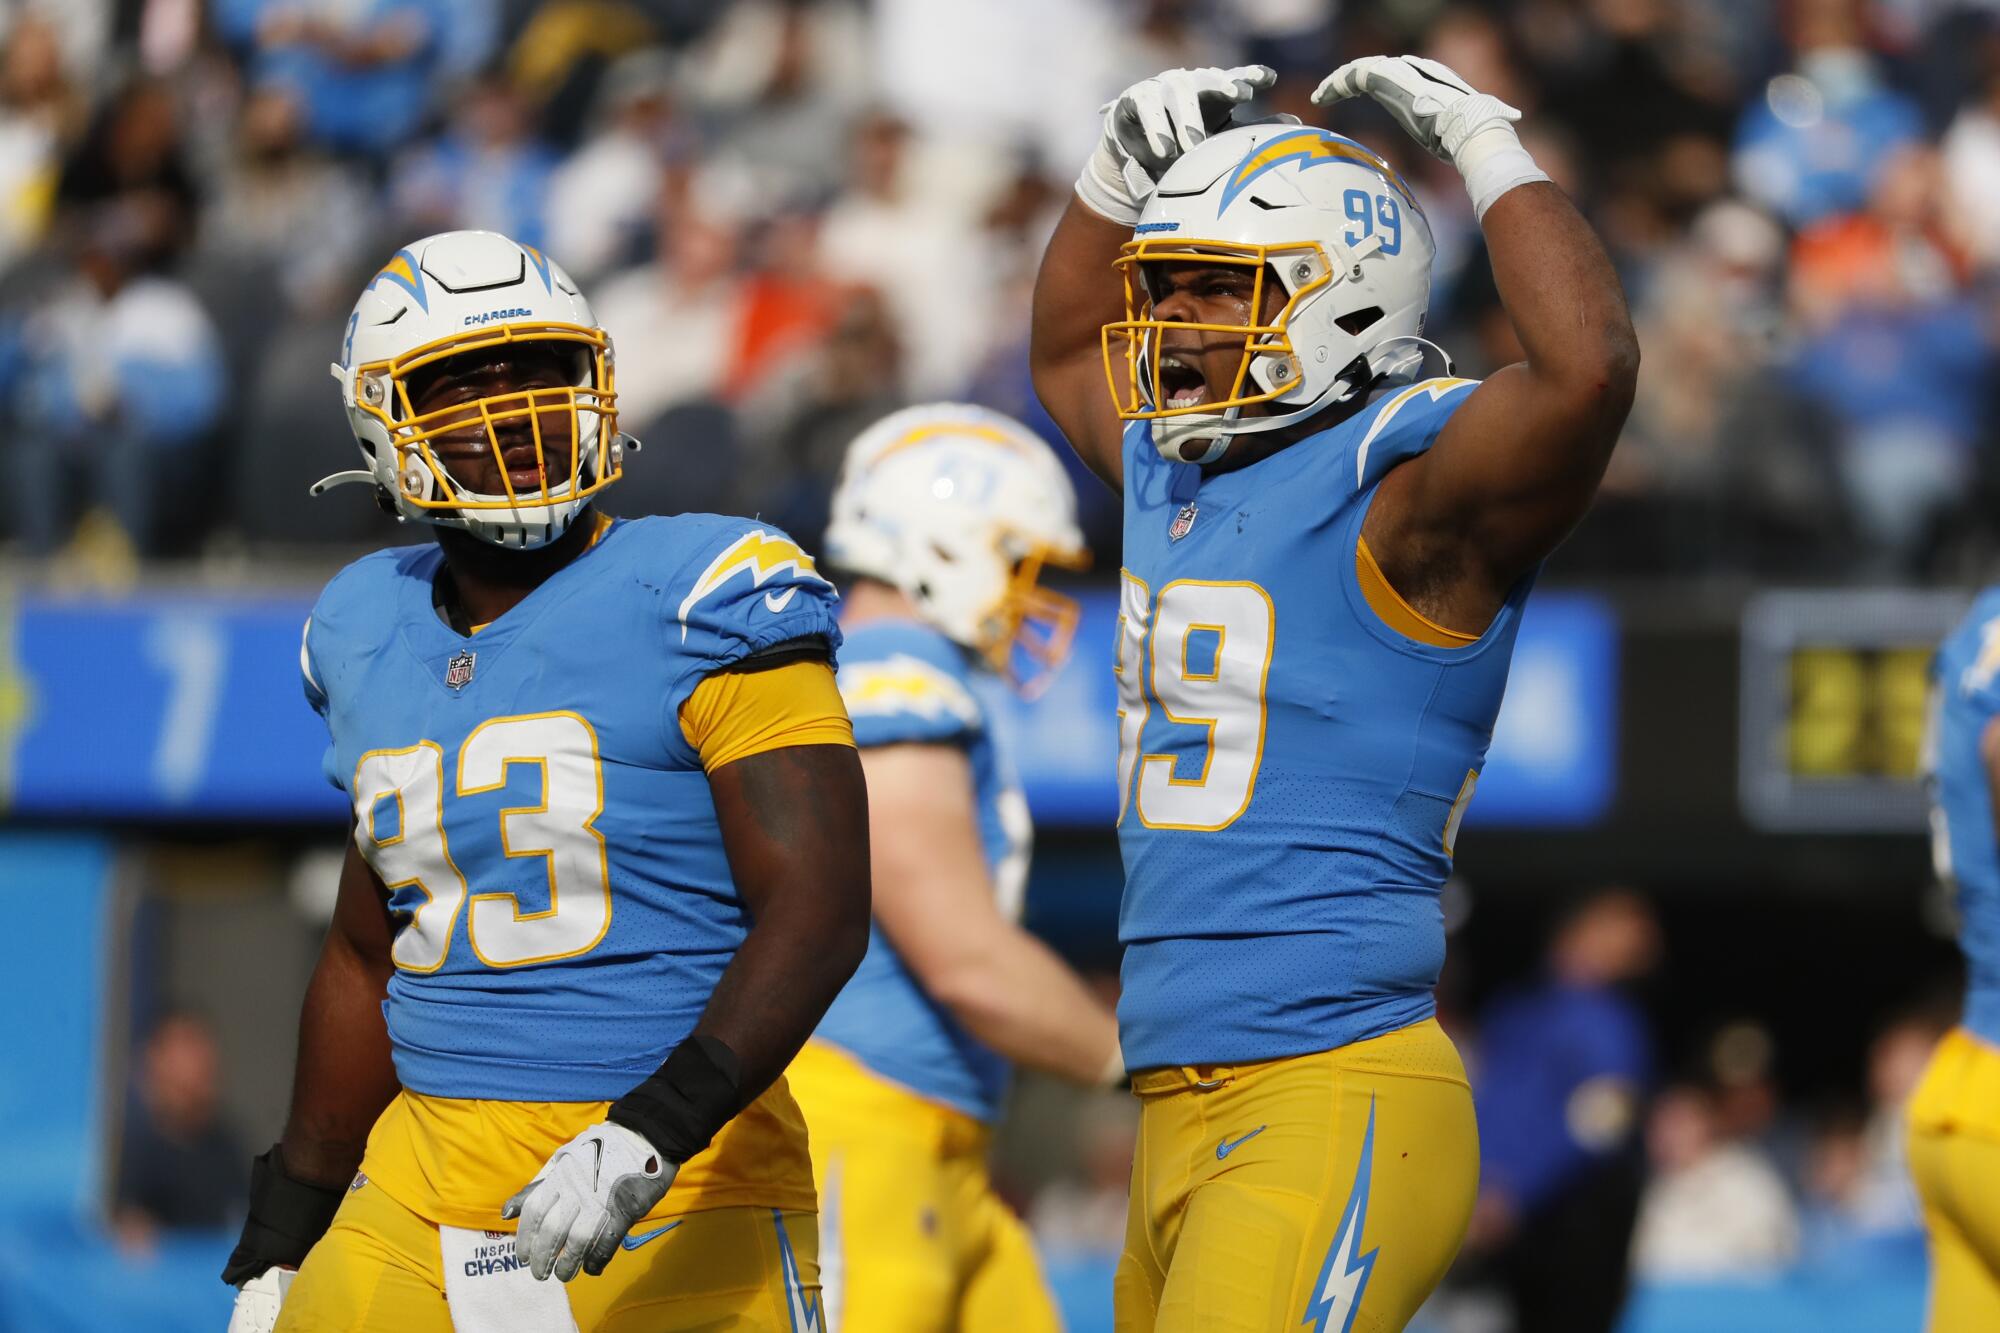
[[905, 683], [544, 829], [1292, 768], [1966, 699]]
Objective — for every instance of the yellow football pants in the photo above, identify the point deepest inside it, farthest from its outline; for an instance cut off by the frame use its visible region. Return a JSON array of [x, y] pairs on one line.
[[1955, 1158], [378, 1270], [1326, 1192], [914, 1240]]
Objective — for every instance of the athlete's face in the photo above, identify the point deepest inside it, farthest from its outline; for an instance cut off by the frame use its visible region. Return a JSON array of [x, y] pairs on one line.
[[487, 451], [1200, 365]]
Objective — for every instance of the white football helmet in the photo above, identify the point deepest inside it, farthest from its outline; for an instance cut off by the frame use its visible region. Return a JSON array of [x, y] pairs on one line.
[[472, 291], [960, 508], [1325, 219]]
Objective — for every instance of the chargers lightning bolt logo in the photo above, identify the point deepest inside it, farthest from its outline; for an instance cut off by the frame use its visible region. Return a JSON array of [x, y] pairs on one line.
[[1344, 1275], [1309, 148], [801, 1306], [764, 556]]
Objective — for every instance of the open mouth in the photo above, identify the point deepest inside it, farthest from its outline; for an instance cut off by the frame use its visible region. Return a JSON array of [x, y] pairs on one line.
[[1181, 382]]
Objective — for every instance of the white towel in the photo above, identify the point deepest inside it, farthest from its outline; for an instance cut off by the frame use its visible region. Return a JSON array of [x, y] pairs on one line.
[[491, 1291]]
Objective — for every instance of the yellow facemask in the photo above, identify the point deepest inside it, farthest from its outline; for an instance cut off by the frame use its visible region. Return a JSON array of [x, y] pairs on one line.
[[381, 389], [1135, 340], [1032, 628]]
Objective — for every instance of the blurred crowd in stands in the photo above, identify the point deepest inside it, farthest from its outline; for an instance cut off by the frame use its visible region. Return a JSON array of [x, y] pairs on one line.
[[794, 215]]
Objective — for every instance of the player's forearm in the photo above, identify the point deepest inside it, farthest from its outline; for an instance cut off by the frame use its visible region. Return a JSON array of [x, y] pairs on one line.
[[1022, 1001], [795, 822], [345, 1075], [800, 953], [1567, 307]]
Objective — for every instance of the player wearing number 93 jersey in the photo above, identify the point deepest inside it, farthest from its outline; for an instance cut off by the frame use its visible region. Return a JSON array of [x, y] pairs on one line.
[[1326, 561], [608, 863]]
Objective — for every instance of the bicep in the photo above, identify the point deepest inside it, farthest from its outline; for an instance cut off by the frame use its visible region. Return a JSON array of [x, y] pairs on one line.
[[1512, 469], [795, 820], [933, 892]]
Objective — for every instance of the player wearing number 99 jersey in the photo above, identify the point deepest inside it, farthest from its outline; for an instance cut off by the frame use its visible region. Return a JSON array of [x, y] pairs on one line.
[[608, 863], [1326, 560]]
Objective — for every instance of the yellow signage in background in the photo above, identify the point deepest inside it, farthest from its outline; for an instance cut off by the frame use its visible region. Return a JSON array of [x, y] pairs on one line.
[[1857, 712]]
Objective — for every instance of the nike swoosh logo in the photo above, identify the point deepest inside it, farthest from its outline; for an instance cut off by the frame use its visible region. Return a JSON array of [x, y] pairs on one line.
[[1228, 1146], [634, 1242], [777, 602]]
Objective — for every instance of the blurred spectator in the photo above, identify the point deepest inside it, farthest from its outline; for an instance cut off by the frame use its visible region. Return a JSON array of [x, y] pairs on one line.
[[362, 68], [674, 320], [179, 1165], [133, 155], [82, 28], [40, 114], [1812, 144], [1715, 1207], [1972, 166], [800, 428], [601, 199], [1564, 1065], [959, 71], [776, 85], [118, 381], [487, 170], [928, 264], [1085, 1213], [1857, 1182], [287, 208]]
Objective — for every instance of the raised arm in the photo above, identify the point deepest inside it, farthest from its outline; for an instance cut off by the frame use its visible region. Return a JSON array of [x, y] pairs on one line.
[[936, 902], [1516, 466], [1077, 292], [341, 1082]]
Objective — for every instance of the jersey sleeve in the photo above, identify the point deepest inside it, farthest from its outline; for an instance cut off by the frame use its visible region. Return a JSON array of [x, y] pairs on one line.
[[746, 591], [1403, 424], [732, 715], [903, 699], [311, 679]]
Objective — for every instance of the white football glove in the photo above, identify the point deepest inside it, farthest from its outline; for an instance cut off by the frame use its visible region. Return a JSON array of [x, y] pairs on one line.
[[585, 1198], [1152, 123], [257, 1301], [1473, 131]]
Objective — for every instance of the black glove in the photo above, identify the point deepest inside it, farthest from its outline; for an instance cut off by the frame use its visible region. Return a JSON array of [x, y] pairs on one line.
[[287, 1217]]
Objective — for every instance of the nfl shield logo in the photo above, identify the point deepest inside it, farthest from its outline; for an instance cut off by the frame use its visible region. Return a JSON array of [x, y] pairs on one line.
[[458, 671], [1183, 522]]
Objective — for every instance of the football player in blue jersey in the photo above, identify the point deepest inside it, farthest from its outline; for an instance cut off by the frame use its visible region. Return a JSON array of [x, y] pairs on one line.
[[944, 518], [608, 864], [1955, 1111], [1325, 563]]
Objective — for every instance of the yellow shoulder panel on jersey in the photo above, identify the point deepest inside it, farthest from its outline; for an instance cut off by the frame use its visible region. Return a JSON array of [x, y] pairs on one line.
[[734, 714]]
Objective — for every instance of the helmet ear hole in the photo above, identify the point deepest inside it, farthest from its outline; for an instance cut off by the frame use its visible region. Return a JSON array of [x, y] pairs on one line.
[[1356, 322]]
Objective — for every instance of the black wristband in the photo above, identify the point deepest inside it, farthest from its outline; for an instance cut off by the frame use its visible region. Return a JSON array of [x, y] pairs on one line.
[[287, 1217], [680, 1108]]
